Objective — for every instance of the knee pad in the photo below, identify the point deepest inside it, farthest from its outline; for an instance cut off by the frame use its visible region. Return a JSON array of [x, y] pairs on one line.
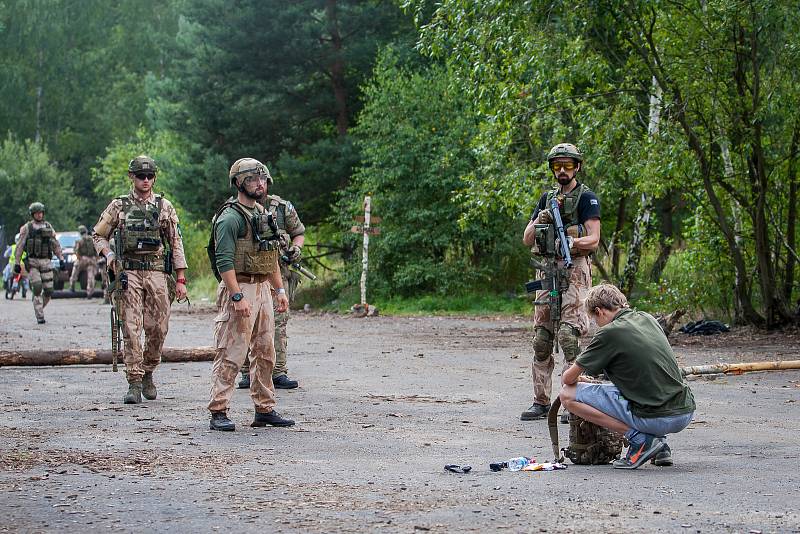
[[48, 291], [542, 344], [568, 337], [37, 289]]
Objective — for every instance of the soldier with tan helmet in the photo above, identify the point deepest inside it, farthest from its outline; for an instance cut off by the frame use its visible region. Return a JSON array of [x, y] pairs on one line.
[[244, 247], [580, 213], [146, 234], [38, 239], [86, 260]]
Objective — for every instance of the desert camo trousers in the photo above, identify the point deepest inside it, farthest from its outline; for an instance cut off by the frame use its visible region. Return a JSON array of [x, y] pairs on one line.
[[40, 276], [234, 334], [144, 306], [280, 339], [88, 264], [573, 314]]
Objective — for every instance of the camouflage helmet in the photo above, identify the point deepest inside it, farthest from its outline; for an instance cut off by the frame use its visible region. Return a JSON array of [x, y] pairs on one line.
[[82, 229], [565, 150], [36, 207], [142, 164], [245, 167]]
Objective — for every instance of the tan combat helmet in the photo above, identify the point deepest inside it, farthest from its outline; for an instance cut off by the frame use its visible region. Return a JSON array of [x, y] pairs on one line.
[[142, 164], [245, 167], [565, 150], [82, 230]]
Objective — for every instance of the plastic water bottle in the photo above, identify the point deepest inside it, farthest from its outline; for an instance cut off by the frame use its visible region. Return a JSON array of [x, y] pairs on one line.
[[516, 464]]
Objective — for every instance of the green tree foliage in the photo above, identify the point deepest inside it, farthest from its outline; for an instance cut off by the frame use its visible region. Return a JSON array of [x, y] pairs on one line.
[[414, 134], [27, 175]]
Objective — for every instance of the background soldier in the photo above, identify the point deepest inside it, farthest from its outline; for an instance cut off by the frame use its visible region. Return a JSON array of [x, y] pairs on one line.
[[580, 213], [143, 224], [292, 237], [38, 239], [86, 260], [246, 248]]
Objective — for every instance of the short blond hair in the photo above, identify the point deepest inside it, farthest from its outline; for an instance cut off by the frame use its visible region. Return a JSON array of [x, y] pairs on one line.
[[606, 296]]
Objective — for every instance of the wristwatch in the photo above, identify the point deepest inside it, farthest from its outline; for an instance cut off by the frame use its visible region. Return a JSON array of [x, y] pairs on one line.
[[236, 297], [279, 290]]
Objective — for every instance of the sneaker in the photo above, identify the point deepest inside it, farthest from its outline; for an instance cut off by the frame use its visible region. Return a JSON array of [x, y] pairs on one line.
[[272, 418], [663, 458], [639, 453], [244, 383], [220, 421], [284, 382], [536, 411]]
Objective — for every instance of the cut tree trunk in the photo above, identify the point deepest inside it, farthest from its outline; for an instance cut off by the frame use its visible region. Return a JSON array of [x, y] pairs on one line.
[[92, 356]]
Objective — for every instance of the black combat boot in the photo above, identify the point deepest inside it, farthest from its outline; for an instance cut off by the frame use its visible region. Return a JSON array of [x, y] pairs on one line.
[[148, 387], [536, 411], [272, 418], [220, 421], [244, 383], [284, 382], [134, 394]]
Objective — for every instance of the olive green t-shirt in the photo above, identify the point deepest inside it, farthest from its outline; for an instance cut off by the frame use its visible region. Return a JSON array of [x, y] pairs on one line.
[[229, 227], [634, 353]]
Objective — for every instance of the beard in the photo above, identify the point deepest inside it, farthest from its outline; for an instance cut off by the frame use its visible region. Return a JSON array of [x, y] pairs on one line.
[[256, 195], [563, 179]]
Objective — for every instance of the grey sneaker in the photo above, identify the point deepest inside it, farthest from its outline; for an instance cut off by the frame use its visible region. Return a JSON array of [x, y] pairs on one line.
[[663, 458], [536, 411]]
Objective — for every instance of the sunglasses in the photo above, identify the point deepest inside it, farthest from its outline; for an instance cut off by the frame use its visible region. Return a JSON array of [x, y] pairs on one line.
[[254, 179], [149, 176], [566, 165]]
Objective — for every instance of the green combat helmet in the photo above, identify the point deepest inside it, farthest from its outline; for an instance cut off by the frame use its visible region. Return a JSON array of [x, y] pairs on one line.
[[245, 167], [142, 164], [82, 230], [36, 207], [565, 150]]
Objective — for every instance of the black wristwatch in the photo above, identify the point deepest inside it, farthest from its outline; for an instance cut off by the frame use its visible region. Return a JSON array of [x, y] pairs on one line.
[[236, 297]]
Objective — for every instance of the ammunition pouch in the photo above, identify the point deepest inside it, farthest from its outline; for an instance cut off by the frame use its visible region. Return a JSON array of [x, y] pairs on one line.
[[260, 261], [545, 239]]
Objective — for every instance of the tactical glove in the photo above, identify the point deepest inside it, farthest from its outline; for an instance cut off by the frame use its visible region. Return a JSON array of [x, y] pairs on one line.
[[17, 268], [294, 254], [546, 217]]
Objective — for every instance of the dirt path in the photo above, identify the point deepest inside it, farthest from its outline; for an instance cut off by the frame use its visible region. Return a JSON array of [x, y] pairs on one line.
[[384, 403]]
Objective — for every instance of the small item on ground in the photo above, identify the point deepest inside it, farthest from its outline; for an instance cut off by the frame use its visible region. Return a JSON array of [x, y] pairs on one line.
[[545, 466], [514, 464], [456, 468], [704, 328]]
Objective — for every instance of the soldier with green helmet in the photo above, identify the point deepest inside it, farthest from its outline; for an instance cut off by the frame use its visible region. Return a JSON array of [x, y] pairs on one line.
[[147, 248], [580, 213], [246, 246], [86, 261], [37, 238]]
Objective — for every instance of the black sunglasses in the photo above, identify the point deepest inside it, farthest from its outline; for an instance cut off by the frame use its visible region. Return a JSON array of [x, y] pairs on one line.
[[148, 176]]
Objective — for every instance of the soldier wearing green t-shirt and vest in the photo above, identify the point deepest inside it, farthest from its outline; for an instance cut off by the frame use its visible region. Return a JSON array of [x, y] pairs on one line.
[[37, 238], [148, 246], [580, 214], [647, 398], [246, 246], [86, 260]]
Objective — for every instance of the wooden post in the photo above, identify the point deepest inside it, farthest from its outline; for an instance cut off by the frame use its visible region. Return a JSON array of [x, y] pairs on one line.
[[365, 257]]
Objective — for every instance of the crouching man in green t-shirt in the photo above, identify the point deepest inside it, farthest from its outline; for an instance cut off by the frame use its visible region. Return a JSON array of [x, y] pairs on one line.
[[647, 398]]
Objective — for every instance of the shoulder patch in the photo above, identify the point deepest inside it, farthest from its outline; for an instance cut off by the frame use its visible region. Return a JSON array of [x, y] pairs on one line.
[[594, 202]]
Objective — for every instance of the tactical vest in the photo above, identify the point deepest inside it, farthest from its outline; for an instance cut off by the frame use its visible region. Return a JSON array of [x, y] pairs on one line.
[[85, 247], [568, 207], [141, 236], [39, 243], [256, 253]]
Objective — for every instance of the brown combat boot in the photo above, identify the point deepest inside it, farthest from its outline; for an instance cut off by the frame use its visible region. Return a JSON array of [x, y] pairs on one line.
[[134, 394], [148, 387]]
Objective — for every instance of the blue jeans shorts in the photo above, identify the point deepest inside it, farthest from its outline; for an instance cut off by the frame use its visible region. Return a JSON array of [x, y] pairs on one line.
[[608, 399]]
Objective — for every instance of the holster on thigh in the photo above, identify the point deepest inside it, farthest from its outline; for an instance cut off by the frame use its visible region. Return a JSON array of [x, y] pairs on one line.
[[568, 337], [542, 344]]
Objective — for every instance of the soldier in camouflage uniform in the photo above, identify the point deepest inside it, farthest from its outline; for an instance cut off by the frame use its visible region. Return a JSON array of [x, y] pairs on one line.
[[147, 225], [246, 245], [292, 236], [580, 213], [37, 238], [86, 260]]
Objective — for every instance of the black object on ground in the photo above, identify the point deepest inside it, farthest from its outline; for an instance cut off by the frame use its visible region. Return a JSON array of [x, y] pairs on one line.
[[704, 328]]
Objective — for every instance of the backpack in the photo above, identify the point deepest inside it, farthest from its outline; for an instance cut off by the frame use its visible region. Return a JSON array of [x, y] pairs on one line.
[[589, 444]]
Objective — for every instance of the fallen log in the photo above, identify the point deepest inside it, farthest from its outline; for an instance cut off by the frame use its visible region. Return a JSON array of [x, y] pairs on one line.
[[739, 368], [94, 356]]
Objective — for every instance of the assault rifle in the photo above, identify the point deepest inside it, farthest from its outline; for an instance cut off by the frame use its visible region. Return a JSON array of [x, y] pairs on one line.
[[556, 277], [119, 283], [296, 266]]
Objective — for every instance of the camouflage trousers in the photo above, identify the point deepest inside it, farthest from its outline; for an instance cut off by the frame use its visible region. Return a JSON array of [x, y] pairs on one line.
[[88, 264], [574, 315], [234, 334], [280, 339], [40, 275], [144, 306]]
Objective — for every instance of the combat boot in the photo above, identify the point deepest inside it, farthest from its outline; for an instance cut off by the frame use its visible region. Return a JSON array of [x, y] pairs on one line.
[[536, 411], [284, 382], [244, 383], [149, 391], [272, 418], [220, 421], [134, 394]]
